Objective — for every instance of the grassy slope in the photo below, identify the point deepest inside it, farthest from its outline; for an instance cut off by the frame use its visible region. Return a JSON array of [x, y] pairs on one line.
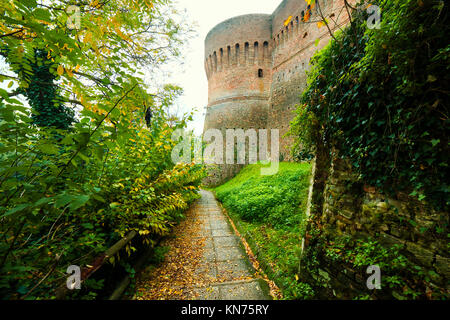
[[269, 210]]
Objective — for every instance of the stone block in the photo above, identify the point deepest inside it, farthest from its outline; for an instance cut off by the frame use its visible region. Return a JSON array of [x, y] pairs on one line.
[[423, 255], [388, 240], [443, 266], [346, 213]]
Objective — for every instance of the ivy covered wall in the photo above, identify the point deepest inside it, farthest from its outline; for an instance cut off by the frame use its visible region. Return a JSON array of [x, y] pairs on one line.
[[375, 115]]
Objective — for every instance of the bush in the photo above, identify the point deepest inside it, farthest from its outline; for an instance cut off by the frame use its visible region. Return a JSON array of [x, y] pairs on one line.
[[278, 200]]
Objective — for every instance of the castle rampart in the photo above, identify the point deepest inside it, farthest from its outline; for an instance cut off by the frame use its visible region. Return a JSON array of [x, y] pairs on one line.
[[256, 68]]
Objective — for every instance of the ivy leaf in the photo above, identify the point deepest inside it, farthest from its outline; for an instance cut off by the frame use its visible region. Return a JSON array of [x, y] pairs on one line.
[[114, 205], [431, 78], [435, 142], [87, 225]]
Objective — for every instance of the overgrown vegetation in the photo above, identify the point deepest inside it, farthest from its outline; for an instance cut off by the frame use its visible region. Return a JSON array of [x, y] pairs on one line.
[[69, 190], [269, 211], [380, 96], [401, 278]]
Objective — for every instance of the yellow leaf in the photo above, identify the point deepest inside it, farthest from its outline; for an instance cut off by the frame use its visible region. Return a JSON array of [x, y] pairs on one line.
[[307, 16], [287, 21], [69, 72], [320, 24], [87, 38], [296, 277], [60, 70], [312, 3]]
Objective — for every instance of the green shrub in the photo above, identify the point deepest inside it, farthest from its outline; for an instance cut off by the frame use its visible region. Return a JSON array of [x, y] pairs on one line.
[[277, 200]]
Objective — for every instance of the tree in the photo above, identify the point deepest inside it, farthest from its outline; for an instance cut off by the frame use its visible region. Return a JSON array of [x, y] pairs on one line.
[[59, 197]]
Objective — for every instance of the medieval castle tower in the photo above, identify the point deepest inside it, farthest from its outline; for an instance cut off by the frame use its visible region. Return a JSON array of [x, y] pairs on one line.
[[256, 68]]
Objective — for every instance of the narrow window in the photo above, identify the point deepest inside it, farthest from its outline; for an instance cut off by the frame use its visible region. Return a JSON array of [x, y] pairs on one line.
[[265, 50], [228, 55], [210, 64], [260, 73], [237, 53], [247, 46], [256, 46]]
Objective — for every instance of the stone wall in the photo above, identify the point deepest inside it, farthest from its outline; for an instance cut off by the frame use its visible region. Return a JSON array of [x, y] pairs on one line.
[[256, 68], [362, 212], [293, 46]]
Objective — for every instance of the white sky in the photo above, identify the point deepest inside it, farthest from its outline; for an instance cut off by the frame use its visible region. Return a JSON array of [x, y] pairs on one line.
[[207, 14]]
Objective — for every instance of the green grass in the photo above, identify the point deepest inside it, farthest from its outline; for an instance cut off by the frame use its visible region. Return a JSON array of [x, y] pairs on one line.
[[268, 211]]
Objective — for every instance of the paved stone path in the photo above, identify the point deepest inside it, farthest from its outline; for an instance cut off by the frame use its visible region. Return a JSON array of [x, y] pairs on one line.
[[221, 271], [223, 249]]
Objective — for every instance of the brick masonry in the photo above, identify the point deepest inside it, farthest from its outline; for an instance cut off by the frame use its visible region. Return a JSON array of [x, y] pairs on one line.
[[256, 68]]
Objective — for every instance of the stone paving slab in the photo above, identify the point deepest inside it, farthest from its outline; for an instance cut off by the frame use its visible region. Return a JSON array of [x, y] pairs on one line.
[[221, 233], [229, 254], [208, 293], [224, 271], [230, 241], [242, 291], [219, 225], [229, 270]]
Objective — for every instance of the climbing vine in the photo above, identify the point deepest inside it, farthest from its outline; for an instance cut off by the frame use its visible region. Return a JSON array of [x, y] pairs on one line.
[[380, 96]]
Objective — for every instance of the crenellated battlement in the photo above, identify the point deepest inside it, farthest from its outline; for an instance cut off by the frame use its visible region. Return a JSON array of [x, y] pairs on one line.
[[238, 54]]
